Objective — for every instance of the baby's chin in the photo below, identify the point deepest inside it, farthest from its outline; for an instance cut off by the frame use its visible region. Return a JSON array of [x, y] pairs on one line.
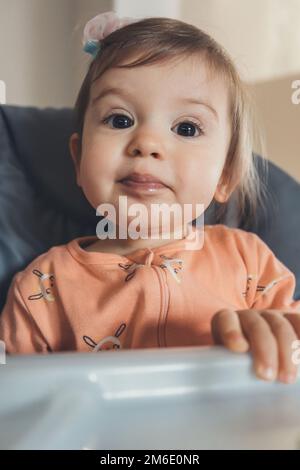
[[151, 216], [135, 227]]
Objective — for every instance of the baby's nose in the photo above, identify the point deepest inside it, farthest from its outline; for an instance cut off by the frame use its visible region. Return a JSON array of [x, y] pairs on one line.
[[146, 144]]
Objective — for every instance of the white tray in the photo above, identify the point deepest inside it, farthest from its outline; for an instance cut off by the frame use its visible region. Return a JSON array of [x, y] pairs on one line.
[[171, 398]]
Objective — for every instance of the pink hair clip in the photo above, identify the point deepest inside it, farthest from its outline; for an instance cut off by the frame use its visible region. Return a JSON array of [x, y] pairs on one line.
[[101, 26]]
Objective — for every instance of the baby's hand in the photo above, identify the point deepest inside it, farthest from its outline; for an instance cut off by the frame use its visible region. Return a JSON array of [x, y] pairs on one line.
[[268, 334]]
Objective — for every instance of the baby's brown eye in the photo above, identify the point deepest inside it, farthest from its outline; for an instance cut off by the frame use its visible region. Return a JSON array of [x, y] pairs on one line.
[[187, 129], [121, 121], [118, 120]]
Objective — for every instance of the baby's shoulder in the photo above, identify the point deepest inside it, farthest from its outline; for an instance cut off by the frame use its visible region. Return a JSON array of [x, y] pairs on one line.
[[43, 267], [234, 240], [223, 232]]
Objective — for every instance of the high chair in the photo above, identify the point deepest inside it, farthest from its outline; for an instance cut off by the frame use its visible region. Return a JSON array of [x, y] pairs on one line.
[[172, 398]]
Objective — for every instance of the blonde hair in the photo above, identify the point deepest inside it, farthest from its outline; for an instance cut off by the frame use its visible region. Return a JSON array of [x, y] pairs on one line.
[[157, 40]]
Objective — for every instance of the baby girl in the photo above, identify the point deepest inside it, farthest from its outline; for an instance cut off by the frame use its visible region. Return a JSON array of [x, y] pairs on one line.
[[163, 118]]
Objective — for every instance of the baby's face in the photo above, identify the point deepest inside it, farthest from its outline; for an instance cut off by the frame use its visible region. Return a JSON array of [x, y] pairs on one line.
[[156, 130]]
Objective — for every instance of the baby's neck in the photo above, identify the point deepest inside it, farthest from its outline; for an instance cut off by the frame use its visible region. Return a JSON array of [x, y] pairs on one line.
[[125, 247]]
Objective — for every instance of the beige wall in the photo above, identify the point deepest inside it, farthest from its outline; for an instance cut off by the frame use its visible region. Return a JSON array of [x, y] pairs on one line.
[[262, 36], [42, 62], [281, 121], [36, 51], [83, 11]]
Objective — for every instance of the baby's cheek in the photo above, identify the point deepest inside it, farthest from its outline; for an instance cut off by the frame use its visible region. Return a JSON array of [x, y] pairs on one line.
[[93, 186], [198, 191]]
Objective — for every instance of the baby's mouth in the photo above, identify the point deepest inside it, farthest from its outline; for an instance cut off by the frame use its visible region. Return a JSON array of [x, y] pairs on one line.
[[139, 182]]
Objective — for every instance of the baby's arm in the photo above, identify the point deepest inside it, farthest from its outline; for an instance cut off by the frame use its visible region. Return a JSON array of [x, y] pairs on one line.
[[18, 329], [270, 327]]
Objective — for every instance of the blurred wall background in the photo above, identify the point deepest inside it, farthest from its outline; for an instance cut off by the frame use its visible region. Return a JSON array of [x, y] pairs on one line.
[[263, 38], [42, 63]]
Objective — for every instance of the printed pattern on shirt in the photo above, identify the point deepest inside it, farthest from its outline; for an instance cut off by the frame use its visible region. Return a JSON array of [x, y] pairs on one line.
[[46, 283], [264, 289], [107, 343], [131, 269], [174, 265]]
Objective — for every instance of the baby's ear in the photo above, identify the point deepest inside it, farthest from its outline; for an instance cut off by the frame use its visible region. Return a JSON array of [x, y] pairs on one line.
[[222, 193], [75, 154]]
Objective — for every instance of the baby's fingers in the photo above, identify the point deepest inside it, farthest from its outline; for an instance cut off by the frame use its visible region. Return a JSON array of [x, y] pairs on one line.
[[262, 344], [226, 330], [294, 319], [285, 336]]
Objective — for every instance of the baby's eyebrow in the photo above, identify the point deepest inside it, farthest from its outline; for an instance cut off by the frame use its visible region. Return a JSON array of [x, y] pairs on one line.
[[111, 91], [193, 100], [128, 94]]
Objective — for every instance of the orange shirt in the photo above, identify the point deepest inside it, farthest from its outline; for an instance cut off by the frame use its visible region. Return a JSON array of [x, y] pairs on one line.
[[72, 299]]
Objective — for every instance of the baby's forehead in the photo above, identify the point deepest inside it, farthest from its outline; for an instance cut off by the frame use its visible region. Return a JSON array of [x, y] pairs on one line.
[[193, 77]]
